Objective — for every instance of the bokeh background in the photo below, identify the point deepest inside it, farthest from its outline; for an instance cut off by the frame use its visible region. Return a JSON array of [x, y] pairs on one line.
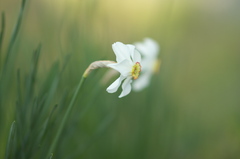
[[190, 110]]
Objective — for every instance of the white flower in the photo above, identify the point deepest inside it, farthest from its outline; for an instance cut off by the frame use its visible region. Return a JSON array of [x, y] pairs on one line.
[[128, 65], [149, 50]]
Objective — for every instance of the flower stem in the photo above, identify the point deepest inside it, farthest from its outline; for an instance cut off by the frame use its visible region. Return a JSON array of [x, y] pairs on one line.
[[65, 117]]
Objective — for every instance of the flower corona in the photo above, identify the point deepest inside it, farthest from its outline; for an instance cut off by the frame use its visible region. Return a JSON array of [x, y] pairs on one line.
[[136, 69]]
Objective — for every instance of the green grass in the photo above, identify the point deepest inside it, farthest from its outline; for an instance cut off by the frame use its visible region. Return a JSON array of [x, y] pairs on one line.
[[190, 110]]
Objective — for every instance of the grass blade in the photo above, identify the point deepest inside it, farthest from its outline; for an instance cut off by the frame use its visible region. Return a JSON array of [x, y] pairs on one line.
[[2, 33], [1, 41], [66, 115], [10, 142], [45, 126], [31, 79], [15, 33], [51, 156]]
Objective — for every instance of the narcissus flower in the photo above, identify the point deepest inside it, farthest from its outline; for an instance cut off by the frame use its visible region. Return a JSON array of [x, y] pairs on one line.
[[128, 65], [149, 50]]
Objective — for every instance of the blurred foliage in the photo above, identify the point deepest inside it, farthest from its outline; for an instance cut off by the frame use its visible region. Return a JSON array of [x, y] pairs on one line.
[[190, 110]]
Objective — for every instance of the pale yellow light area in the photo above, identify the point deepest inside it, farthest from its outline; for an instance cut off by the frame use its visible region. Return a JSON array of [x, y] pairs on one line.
[[119, 12]]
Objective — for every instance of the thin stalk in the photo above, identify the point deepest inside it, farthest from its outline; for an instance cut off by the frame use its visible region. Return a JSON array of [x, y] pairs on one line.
[[15, 32], [65, 117]]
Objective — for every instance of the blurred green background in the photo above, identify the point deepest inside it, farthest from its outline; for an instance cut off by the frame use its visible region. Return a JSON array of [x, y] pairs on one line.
[[190, 110]]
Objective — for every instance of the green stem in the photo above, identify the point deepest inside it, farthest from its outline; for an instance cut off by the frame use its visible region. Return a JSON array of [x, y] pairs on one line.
[[65, 117]]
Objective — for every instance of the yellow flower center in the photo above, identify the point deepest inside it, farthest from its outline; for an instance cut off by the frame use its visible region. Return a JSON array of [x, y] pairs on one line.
[[136, 69]]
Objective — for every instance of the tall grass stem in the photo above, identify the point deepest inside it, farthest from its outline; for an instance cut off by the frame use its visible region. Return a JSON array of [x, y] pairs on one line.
[[65, 117]]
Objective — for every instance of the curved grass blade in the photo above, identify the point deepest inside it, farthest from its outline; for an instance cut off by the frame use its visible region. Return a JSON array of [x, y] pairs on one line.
[[15, 33]]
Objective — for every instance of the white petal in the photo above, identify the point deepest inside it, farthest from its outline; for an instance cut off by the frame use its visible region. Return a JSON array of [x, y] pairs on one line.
[[136, 56], [131, 49], [126, 87], [121, 51], [152, 46], [148, 47], [142, 81], [142, 48], [147, 64], [124, 67], [115, 85]]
